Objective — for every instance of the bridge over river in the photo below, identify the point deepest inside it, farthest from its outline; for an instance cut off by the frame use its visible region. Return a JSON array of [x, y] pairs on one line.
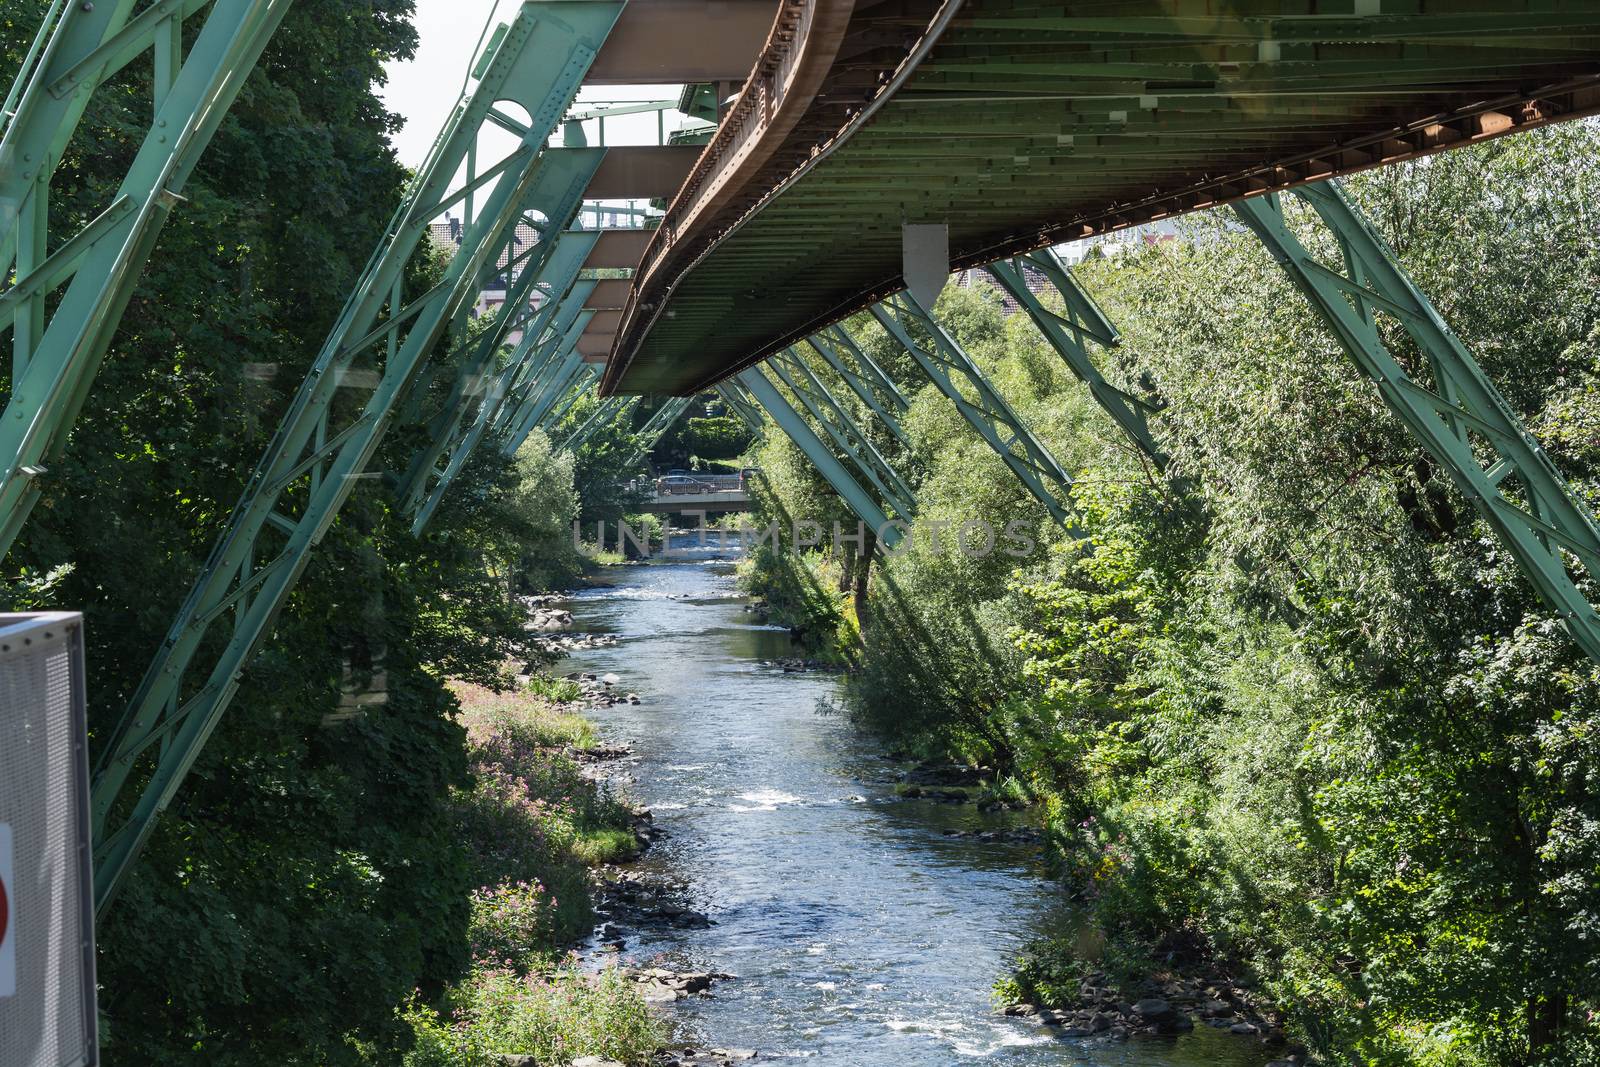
[[834, 161]]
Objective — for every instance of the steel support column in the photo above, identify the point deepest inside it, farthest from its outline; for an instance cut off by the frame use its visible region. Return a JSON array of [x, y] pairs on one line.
[[310, 467], [516, 415], [1515, 487], [56, 359], [743, 405], [585, 377], [609, 410], [561, 255], [870, 383], [1069, 334], [659, 422], [794, 425], [949, 367], [449, 437], [815, 398]]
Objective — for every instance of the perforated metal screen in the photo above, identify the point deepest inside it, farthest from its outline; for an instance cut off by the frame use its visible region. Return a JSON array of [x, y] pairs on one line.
[[46, 918]]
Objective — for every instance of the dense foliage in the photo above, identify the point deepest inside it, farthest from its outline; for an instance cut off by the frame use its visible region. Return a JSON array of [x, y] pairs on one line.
[[1300, 715], [311, 876]]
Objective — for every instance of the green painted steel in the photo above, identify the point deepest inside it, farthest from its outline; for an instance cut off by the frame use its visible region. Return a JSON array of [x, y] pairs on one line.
[[549, 272], [659, 422], [869, 382], [612, 409], [312, 465], [794, 425], [743, 405], [1069, 333], [549, 382], [949, 367], [581, 382], [1462, 420], [57, 354], [1025, 125], [806, 387], [518, 414]]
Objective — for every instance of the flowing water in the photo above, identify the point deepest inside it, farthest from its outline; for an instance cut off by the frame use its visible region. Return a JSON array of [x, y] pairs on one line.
[[861, 934]]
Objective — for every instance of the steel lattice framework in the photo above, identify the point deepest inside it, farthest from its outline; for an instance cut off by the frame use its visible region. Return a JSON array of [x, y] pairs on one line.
[[1462, 420], [950, 368], [1069, 333], [79, 46], [539, 62], [805, 386]]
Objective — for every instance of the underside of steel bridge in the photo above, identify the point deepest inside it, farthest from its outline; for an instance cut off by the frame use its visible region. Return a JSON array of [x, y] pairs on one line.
[[839, 154], [1023, 125]]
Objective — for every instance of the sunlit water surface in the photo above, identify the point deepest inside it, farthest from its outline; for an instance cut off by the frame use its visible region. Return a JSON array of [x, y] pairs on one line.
[[860, 934]]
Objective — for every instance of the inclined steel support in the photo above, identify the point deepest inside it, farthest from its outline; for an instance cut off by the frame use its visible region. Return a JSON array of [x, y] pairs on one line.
[[311, 466], [548, 385], [949, 367], [516, 416], [611, 409], [1515, 487], [806, 387], [57, 354], [659, 422], [743, 405], [794, 425], [581, 381], [1069, 333], [870, 383], [551, 275]]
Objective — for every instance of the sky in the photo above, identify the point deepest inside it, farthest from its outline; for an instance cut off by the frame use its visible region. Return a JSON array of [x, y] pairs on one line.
[[425, 89]]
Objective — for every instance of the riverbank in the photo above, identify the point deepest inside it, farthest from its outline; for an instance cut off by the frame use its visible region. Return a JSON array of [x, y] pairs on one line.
[[537, 824]]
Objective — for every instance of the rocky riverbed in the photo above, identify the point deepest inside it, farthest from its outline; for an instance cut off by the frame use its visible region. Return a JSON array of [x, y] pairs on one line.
[[866, 903]]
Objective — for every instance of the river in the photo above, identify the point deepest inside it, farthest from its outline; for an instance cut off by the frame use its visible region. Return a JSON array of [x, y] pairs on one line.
[[861, 934]]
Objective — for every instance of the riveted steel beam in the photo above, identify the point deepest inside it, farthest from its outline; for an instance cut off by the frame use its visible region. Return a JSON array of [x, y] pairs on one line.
[[743, 405], [842, 429], [610, 410], [874, 387], [313, 463], [950, 368], [1069, 332], [58, 353], [1461, 419], [659, 422], [795, 427], [551, 267]]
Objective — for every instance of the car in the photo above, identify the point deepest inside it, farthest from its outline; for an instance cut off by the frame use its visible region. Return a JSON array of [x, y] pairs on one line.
[[678, 484]]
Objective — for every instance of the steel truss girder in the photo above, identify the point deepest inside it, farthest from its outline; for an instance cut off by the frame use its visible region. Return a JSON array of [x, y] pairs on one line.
[[659, 422], [539, 62], [743, 405], [795, 427], [518, 413], [870, 383], [553, 278], [1069, 333], [949, 367], [609, 410], [1462, 402], [55, 361], [816, 399], [585, 377]]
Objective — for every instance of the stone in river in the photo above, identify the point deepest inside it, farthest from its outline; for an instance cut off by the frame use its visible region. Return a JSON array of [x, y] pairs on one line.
[[1152, 1008]]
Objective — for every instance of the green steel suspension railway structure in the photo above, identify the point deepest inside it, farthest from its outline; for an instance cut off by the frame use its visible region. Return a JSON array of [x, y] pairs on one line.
[[851, 151]]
